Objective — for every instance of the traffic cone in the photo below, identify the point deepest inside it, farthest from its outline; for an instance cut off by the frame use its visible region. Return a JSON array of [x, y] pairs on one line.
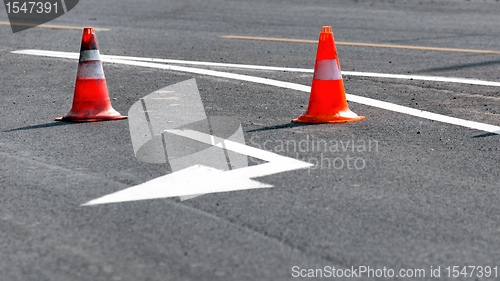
[[327, 102], [91, 98]]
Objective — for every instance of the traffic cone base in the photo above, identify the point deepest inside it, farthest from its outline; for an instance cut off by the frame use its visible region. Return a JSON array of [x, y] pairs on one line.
[[91, 99], [71, 119], [91, 103], [327, 101], [340, 117], [322, 109]]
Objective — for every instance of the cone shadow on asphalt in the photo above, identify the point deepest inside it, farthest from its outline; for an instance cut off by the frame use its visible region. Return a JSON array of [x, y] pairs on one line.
[[458, 66], [46, 125], [486, 135], [283, 126]]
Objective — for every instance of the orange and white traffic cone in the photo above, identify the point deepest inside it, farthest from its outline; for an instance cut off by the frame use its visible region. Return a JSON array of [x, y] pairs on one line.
[[327, 102], [91, 98]]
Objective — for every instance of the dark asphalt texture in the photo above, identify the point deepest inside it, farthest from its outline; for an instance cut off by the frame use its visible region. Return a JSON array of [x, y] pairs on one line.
[[426, 196]]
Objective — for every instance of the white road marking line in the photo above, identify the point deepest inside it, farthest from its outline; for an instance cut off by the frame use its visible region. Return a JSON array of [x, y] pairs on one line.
[[200, 179], [197, 179], [288, 69], [276, 163], [287, 85], [216, 64], [424, 78]]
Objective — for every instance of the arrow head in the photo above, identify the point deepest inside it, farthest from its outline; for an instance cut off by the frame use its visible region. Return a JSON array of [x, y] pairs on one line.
[[194, 180]]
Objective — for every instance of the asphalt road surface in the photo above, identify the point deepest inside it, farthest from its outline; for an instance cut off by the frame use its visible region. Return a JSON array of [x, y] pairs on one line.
[[414, 196]]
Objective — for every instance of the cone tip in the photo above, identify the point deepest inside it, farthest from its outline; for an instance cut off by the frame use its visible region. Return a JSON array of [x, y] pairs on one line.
[[88, 30], [326, 29]]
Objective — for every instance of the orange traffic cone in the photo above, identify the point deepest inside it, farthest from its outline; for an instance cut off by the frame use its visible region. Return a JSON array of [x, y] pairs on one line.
[[91, 98], [327, 102]]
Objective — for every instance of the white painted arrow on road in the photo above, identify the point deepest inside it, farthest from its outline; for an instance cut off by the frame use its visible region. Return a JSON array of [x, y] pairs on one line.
[[200, 179]]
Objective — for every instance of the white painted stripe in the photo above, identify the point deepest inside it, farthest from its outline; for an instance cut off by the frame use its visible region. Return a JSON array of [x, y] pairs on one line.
[[53, 54], [287, 85], [273, 68], [200, 63], [424, 114], [276, 163], [189, 181], [327, 70], [424, 78], [89, 55], [215, 64], [305, 70], [233, 146], [90, 70]]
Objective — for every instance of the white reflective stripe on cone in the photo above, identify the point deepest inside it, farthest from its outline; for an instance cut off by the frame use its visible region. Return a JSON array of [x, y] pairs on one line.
[[89, 55], [90, 70], [327, 70]]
